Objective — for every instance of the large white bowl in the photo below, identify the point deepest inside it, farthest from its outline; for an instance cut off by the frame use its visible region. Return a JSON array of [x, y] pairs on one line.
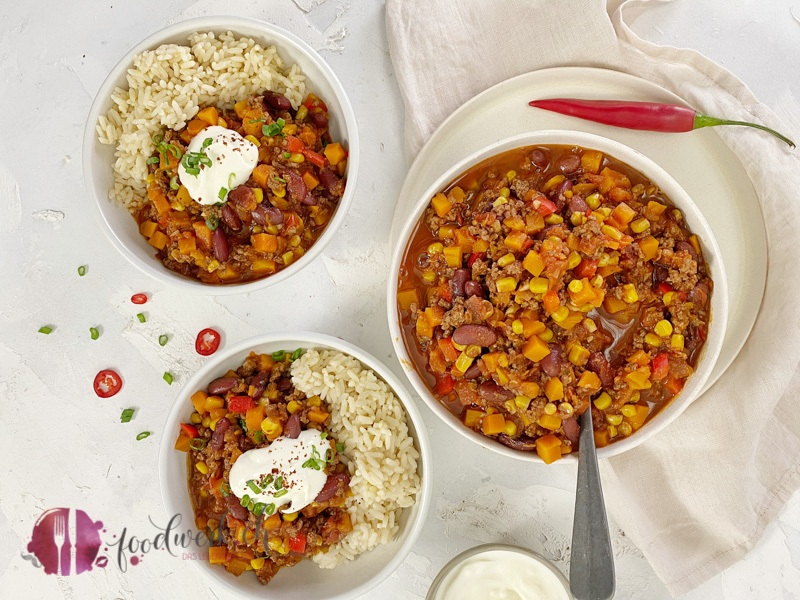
[[304, 580], [696, 222], [98, 159]]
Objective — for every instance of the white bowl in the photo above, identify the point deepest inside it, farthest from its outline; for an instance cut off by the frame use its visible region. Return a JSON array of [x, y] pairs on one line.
[[98, 159], [304, 580], [696, 222]]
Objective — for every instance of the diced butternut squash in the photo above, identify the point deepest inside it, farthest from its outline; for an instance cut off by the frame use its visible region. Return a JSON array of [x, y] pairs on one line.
[[265, 242], [530, 389], [158, 240], [533, 263], [464, 240], [518, 240], [203, 233], [424, 328], [217, 554], [209, 115], [535, 349], [548, 447], [183, 196], [195, 126], [261, 175], [335, 153], [493, 424], [441, 204], [640, 417], [614, 305], [148, 228], [182, 443], [199, 401], [551, 422], [601, 438], [640, 357], [649, 246], [551, 301], [310, 180], [317, 416], [405, 298], [452, 255], [622, 215], [237, 566], [158, 198], [472, 417], [639, 379], [591, 160], [253, 418], [187, 243], [611, 179], [589, 380], [554, 389], [263, 265]]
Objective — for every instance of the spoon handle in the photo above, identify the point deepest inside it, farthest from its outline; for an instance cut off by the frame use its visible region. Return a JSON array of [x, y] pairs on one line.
[[591, 572]]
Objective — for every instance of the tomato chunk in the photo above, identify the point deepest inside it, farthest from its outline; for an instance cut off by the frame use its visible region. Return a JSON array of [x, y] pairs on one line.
[[546, 207], [107, 383], [444, 384], [240, 404], [298, 543], [207, 342], [189, 430], [660, 366], [294, 144]]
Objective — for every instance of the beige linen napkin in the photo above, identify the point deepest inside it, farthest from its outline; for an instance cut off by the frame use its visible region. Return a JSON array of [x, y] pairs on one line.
[[696, 497]]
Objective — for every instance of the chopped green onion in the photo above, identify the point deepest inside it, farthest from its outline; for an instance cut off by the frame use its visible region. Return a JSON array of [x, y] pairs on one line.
[[261, 120], [193, 171], [272, 129], [243, 425], [173, 183], [279, 483], [280, 493], [231, 178], [224, 489], [82, 270], [287, 155], [212, 222], [197, 443], [339, 447], [329, 455], [245, 500], [168, 377], [252, 504], [266, 481], [46, 329], [127, 415], [143, 435], [252, 485], [259, 508], [315, 462], [270, 509], [222, 193], [206, 143], [279, 355], [94, 332], [259, 437], [297, 354], [152, 160], [141, 317], [323, 435], [162, 340], [279, 179]]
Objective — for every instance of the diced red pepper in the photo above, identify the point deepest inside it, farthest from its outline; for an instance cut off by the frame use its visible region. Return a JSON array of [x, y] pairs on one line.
[[444, 384], [313, 102], [663, 288], [445, 291], [702, 333], [586, 268], [298, 543], [240, 404], [475, 256], [314, 157], [660, 366], [674, 385], [294, 144], [189, 430], [546, 207]]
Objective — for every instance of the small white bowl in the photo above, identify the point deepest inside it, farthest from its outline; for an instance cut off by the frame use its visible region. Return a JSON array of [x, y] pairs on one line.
[[304, 580], [98, 159], [696, 222]]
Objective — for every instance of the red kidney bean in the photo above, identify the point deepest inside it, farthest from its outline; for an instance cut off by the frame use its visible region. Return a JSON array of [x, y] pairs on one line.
[[244, 443], [551, 364], [220, 243], [297, 187], [241, 196], [260, 215], [337, 482], [540, 158], [259, 383], [699, 294], [274, 215], [578, 204], [331, 182], [218, 437], [660, 275], [493, 393], [231, 219], [480, 335], [319, 118], [600, 365], [283, 384], [564, 186], [473, 372], [222, 385], [292, 427], [236, 509], [568, 163], [457, 283], [523, 442], [474, 288], [688, 247], [572, 430], [278, 101]]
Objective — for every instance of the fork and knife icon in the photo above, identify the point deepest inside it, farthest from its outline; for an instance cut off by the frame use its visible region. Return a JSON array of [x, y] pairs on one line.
[[65, 528]]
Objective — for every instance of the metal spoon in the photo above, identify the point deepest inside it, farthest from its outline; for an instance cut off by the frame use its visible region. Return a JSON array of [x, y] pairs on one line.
[[591, 571]]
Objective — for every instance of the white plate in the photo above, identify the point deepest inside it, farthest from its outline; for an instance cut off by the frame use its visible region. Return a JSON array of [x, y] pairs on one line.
[[699, 161]]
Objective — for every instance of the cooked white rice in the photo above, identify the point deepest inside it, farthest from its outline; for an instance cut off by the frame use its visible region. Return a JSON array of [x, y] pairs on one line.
[[168, 85], [370, 421]]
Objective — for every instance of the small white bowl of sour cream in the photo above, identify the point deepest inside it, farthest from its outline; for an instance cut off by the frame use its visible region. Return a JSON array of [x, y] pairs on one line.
[[499, 571]]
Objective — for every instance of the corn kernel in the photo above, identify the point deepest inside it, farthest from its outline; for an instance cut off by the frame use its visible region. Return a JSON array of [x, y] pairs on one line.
[[196, 418], [522, 402], [506, 260], [538, 285], [505, 192], [206, 421], [625, 429], [280, 193], [561, 313], [510, 429], [578, 355], [614, 419], [676, 341], [577, 219], [546, 335], [463, 362], [222, 122], [612, 431], [252, 139], [270, 426], [576, 285], [603, 401], [663, 328], [150, 179], [612, 232], [640, 225], [511, 174], [652, 339], [428, 276], [597, 281], [635, 397], [511, 406], [593, 200], [629, 410], [289, 517], [315, 401], [435, 248], [678, 215], [550, 408], [554, 219], [629, 293], [517, 327], [213, 425], [590, 325], [668, 298], [459, 347], [202, 467], [573, 260], [565, 408], [297, 158], [293, 407], [506, 284]]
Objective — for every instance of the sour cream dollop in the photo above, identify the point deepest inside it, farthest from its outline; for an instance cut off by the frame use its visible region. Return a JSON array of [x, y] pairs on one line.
[[232, 157], [283, 458], [501, 575]]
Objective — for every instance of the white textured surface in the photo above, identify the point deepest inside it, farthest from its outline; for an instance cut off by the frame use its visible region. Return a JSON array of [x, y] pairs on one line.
[[62, 446]]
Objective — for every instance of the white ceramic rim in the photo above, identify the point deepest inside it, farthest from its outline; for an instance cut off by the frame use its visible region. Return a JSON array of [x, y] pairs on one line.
[[102, 102], [308, 339], [671, 188]]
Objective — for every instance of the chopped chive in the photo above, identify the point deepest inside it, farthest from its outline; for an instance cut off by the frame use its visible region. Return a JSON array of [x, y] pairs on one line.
[[192, 171], [168, 377], [143, 435], [259, 508], [212, 222], [339, 447], [280, 493], [127, 415], [222, 193], [141, 317], [197, 443], [206, 143], [297, 354], [224, 489], [46, 329], [173, 183], [245, 500], [82, 270], [231, 179], [252, 485], [279, 483], [287, 155], [270, 509], [152, 160], [94, 332], [279, 356], [162, 340]]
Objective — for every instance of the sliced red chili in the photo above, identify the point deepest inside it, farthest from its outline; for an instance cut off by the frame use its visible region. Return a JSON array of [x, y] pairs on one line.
[[139, 298], [107, 383], [240, 404], [207, 342], [189, 430]]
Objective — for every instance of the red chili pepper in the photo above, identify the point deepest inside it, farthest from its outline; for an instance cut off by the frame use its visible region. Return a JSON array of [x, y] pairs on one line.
[[546, 207], [240, 404], [444, 384], [139, 298], [586, 268], [189, 431], [660, 366], [663, 288], [294, 144], [298, 543], [314, 157], [107, 383], [649, 116], [207, 342], [475, 256]]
